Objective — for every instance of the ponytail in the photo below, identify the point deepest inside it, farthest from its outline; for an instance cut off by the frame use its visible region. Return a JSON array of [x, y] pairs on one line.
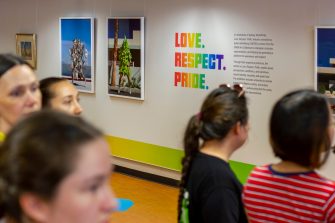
[[191, 147]]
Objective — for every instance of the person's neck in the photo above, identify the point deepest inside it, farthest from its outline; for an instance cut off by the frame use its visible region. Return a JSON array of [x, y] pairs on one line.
[[4, 126], [290, 167], [216, 148]]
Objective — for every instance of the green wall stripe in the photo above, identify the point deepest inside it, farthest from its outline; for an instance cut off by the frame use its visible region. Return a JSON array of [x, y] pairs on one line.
[[242, 170], [161, 156], [146, 153]]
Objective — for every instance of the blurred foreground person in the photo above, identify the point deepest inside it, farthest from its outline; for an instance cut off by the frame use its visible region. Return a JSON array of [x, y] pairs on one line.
[[55, 168]]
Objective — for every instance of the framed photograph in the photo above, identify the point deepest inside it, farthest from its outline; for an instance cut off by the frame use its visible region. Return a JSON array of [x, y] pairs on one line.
[[77, 52], [325, 62], [26, 47], [126, 57]]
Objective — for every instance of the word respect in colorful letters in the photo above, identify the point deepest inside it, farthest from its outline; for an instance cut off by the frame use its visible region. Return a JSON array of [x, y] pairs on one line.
[[186, 61]]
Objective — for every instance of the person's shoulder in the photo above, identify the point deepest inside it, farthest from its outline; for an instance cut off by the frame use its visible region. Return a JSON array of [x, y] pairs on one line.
[[261, 170], [321, 181], [210, 160], [208, 163]]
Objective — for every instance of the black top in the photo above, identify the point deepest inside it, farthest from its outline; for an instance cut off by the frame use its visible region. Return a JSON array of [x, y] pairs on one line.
[[215, 192]]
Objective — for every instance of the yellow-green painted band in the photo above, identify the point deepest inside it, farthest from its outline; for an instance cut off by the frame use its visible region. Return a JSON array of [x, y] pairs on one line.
[[161, 156], [146, 153]]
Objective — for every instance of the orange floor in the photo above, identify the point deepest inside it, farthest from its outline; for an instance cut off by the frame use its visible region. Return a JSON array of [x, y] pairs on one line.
[[153, 202]]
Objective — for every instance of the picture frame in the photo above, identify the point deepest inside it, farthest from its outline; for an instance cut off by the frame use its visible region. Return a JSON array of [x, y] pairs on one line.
[[325, 62], [125, 36], [26, 47], [77, 52]]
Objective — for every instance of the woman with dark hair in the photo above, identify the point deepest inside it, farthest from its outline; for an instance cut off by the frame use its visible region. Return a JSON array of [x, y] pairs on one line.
[[58, 93], [19, 92], [209, 190], [301, 132], [55, 168]]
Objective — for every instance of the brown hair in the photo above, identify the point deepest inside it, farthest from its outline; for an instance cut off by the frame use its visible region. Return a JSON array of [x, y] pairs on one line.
[[45, 87], [299, 128], [8, 61]]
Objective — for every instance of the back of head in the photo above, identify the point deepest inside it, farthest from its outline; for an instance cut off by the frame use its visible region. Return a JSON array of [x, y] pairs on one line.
[[7, 61], [45, 87], [220, 111], [37, 154], [299, 128]]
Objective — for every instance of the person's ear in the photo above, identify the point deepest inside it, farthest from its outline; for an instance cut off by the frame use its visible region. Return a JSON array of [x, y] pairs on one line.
[[237, 128], [34, 207]]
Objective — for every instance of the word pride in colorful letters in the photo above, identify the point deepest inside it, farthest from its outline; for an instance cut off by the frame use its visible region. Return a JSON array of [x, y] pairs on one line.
[[193, 60]]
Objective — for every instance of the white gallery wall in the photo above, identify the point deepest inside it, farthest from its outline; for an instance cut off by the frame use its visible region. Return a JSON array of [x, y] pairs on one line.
[[161, 118]]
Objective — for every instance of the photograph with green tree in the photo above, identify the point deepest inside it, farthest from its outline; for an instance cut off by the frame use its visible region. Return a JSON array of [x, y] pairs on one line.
[[126, 57], [124, 65]]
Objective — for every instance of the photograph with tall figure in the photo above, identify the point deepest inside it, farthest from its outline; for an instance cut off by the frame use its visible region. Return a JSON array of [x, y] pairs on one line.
[[77, 52], [325, 62], [126, 57]]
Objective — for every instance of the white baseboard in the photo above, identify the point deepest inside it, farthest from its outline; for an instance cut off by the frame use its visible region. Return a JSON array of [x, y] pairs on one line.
[[172, 174]]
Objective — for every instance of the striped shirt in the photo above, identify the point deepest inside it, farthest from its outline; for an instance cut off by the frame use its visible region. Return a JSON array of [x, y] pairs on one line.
[[270, 196]]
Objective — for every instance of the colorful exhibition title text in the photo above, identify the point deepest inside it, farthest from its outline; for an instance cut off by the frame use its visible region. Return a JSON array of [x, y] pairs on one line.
[[193, 60]]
